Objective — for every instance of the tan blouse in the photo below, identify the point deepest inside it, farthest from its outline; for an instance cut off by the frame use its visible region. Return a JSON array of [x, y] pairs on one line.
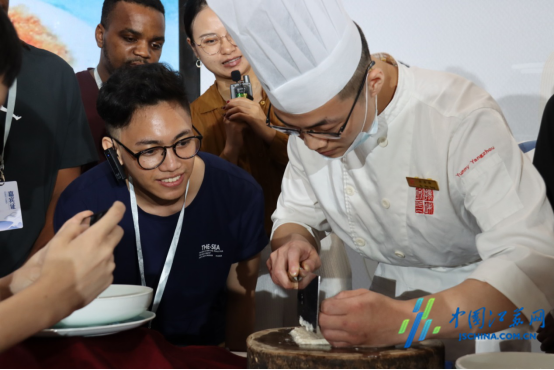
[[266, 163]]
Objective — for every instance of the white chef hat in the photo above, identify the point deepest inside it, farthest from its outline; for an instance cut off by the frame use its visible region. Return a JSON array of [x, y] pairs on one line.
[[303, 51]]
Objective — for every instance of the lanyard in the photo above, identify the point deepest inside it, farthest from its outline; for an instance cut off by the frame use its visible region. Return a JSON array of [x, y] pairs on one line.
[[170, 254], [97, 79], [7, 127]]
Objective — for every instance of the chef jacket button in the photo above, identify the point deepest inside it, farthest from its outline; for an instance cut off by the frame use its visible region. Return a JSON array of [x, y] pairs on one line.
[[399, 254], [359, 242], [385, 203], [350, 190], [383, 141]]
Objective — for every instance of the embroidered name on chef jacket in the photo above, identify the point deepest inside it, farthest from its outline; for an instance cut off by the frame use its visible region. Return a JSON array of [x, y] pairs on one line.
[[424, 201], [210, 250]]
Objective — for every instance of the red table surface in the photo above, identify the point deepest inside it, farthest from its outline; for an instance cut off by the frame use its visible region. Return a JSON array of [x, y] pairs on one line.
[[138, 348]]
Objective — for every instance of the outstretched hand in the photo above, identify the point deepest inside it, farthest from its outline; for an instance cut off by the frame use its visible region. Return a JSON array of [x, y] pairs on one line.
[[78, 262]]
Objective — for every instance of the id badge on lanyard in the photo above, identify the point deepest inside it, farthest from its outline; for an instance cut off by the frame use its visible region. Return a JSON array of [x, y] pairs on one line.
[[10, 206]]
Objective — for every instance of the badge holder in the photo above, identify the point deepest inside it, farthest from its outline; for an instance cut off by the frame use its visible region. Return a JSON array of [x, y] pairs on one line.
[[11, 217]]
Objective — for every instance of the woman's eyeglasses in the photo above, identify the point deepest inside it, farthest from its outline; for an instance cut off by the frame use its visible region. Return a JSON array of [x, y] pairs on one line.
[[211, 44]]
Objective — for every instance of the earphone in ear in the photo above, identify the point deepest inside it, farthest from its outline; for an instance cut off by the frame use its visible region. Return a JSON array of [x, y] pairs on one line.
[[117, 168]]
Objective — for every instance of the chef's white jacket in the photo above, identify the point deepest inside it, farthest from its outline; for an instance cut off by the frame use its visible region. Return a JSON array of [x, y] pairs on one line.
[[489, 221]]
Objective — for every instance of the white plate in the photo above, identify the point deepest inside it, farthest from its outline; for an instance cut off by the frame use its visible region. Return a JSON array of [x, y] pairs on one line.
[[115, 304], [506, 360], [92, 331]]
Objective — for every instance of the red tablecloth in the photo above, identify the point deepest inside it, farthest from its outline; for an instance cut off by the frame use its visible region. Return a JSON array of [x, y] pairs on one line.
[[138, 348]]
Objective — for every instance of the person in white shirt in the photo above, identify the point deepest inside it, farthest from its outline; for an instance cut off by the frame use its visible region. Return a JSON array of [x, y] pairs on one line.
[[412, 168]]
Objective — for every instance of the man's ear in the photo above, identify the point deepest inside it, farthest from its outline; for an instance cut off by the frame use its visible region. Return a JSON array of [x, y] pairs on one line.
[[376, 80], [107, 143], [99, 35]]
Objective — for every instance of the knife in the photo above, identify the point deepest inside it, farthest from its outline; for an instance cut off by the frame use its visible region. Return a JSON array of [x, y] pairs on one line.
[[308, 301]]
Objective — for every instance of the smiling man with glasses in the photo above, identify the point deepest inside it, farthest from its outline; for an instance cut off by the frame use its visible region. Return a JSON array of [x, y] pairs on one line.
[[194, 226]]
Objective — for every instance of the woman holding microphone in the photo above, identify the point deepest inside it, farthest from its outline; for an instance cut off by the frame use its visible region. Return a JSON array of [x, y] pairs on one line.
[[234, 128]]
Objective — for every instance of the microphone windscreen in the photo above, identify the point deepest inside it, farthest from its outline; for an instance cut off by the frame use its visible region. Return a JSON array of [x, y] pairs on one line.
[[235, 76]]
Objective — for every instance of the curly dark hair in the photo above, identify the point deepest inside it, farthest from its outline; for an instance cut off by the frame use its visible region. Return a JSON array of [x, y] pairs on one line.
[[109, 5], [11, 56], [131, 88]]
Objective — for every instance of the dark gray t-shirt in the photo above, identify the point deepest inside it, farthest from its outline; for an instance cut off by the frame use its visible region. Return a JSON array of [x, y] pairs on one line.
[[52, 134]]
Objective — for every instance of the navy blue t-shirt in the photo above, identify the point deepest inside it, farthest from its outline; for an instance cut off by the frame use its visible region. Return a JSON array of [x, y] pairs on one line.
[[223, 225]]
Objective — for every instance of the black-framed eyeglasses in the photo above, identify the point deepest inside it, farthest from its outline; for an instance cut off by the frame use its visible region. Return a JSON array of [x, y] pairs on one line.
[[152, 158], [319, 134]]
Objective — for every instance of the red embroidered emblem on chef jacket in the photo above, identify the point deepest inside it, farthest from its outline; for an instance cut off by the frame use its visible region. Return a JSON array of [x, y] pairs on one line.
[[429, 195], [429, 208], [424, 202]]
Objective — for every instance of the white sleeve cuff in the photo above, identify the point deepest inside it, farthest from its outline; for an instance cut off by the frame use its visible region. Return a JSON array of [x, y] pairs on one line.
[[279, 223], [506, 277]]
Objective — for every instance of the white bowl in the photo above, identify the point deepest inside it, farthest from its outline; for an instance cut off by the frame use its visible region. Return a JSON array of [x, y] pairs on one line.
[[506, 360], [117, 303]]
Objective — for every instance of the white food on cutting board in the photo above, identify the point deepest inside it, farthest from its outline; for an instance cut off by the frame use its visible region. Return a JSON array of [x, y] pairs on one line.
[[303, 337], [306, 324]]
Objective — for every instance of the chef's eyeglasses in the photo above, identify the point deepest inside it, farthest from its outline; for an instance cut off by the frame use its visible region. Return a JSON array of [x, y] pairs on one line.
[[319, 134], [152, 158], [211, 44]]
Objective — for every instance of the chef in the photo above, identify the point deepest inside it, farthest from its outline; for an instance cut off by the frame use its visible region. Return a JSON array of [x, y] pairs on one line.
[[412, 168]]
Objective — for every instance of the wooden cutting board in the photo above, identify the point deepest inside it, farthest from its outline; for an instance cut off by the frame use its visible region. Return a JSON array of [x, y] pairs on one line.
[[275, 348]]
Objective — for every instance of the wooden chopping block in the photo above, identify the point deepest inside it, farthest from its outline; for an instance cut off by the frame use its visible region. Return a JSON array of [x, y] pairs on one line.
[[275, 348]]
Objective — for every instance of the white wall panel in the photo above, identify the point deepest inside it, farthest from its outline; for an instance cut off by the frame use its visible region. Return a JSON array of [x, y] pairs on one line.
[[501, 45]]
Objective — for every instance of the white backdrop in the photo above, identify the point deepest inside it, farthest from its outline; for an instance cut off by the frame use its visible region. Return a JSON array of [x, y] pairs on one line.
[[501, 45]]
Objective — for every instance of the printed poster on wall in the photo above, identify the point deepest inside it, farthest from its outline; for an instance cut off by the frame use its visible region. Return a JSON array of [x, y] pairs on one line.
[[66, 28]]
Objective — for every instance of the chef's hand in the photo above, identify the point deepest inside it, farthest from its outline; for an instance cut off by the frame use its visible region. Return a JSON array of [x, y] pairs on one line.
[[251, 113], [360, 318], [77, 264], [285, 262], [546, 334]]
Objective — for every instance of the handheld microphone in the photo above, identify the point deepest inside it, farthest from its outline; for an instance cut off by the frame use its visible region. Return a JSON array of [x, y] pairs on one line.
[[241, 89]]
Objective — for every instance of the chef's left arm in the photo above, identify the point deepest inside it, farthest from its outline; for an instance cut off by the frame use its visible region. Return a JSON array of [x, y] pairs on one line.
[[241, 305], [499, 188]]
